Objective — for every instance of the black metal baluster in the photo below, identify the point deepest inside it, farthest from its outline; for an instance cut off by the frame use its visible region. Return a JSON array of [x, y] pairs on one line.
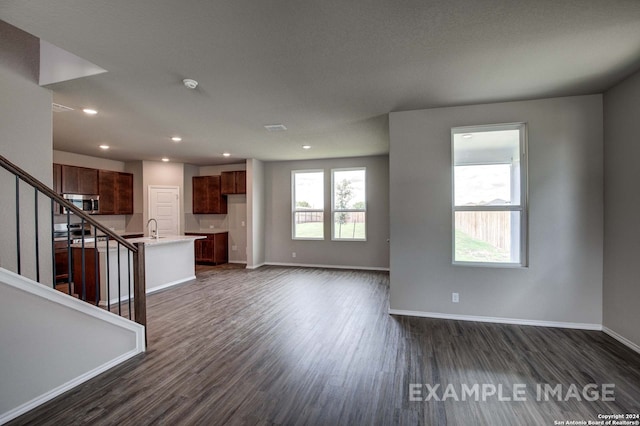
[[53, 245], [96, 264], [18, 223], [119, 277], [84, 278], [129, 277], [108, 266], [70, 274], [35, 210]]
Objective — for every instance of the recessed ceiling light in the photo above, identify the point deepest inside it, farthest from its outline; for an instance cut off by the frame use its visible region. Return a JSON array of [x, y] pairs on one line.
[[467, 136], [306, 146], [226, 154], [176, 139], [165, 159], [90, 111], [105, 147], [275, 127]]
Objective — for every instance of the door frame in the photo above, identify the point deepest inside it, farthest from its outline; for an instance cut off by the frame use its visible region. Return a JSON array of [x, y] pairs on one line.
[[177, 188]]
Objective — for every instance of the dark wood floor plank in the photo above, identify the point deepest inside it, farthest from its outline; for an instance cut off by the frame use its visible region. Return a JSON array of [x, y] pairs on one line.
[[299, 346]]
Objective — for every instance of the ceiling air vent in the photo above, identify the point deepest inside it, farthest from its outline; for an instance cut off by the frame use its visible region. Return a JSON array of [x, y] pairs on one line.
[[275, 127], [60, 108]]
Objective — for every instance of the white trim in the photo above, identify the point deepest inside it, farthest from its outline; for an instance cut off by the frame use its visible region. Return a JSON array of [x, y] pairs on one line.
[[309, 265], [294, 210], [47, 396], [28, 286], [242, 262], [255, 266], [498, 320], [620, 338], [170, 284], [150, 290]]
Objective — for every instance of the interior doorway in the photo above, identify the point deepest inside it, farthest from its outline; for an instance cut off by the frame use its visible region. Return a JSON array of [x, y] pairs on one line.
[[164, 206]]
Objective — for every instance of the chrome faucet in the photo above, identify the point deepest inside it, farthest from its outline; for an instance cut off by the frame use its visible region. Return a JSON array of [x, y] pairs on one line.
[[155, 231]]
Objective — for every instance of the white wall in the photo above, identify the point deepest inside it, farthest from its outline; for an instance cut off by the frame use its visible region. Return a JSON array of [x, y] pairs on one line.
[[79, 160], [373, 253], [621, 204], [255, 213], [25, 140], [60, 343], [563, 282]]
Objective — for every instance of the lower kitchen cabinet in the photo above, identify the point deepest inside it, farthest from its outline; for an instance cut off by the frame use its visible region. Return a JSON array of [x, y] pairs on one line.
[[213, 250], [91, 267]]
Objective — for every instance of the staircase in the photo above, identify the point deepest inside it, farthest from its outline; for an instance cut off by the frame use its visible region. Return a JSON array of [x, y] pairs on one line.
[[127, 282], [51, 341]]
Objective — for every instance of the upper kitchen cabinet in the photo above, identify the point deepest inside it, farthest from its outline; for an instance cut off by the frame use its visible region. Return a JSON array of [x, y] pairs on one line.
[[79, 180], [116, 192], [234, 182], [207, 197]]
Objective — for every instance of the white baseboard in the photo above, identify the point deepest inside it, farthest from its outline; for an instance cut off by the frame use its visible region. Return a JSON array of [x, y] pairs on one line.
[[498, 320], [114, 300], [171, 284], [310, 265], [255, 266], [30, 405], [621, 339]]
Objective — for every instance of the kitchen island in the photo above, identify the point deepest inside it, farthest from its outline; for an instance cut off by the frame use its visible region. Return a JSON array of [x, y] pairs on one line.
[[169, 261]]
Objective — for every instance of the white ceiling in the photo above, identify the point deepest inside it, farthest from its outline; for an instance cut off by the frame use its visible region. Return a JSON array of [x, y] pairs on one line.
[[330, 70]]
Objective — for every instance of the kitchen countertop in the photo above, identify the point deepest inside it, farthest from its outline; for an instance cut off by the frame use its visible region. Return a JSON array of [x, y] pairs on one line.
[[208, 231], [113, 245]]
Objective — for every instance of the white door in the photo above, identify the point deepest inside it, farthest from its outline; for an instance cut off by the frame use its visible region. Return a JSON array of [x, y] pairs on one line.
[[164, 206]]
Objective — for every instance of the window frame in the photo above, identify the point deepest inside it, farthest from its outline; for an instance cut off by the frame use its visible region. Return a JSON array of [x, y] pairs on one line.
[[294, 210], [522, 207], [334, 210]]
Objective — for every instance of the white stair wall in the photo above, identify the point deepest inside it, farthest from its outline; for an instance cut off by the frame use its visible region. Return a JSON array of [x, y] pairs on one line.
[[51, 342]]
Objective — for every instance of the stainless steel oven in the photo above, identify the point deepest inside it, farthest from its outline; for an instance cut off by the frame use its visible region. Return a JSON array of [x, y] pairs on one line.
[[87, 203]]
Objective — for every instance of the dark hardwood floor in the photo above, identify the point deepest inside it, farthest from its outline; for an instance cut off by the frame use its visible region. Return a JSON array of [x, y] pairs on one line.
[[316, 346]]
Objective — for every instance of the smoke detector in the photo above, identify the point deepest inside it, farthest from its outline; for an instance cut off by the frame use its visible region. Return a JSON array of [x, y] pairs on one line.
[[191, 84]]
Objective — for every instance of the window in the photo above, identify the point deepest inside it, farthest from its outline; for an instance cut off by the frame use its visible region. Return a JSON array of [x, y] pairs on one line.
[[307, 204], [348, 204], [489, 195]]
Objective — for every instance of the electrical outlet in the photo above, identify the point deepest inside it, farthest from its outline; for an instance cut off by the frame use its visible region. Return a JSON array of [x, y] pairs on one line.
[[242, 223], [293, 254], [455, 297], [211, 226], [234, 248]]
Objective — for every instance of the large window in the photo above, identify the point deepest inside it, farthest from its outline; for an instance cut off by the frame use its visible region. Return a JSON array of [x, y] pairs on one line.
[[348, 204], [489, 195], [308, 204]]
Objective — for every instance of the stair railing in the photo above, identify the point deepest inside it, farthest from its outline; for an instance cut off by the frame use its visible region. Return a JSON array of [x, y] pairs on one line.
[[79, 254]]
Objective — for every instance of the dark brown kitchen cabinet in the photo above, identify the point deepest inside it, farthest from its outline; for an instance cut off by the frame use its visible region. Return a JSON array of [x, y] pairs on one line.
[[213, 250], [116, 192], [234, 182], [124, 199], [207, 197], [79, 180], [62, 261], [89, 291]]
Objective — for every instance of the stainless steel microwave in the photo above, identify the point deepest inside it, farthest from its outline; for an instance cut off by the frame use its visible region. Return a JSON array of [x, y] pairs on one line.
[[87, 203]]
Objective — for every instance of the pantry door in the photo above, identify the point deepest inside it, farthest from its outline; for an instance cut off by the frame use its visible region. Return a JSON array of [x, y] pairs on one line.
[[164, 206]]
